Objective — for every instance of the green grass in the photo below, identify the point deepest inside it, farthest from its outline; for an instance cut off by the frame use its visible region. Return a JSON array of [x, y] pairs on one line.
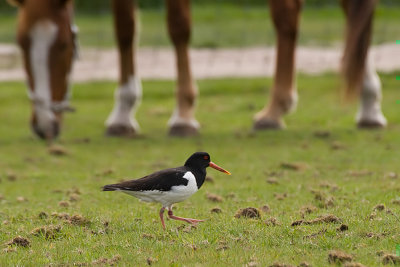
[[226, 26], [225, 110]]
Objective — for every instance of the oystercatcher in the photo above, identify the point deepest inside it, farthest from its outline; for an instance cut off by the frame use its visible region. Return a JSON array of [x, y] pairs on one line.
[[170, 186]]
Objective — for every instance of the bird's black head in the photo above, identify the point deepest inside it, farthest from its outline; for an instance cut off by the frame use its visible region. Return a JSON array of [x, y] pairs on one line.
[[200, 160]]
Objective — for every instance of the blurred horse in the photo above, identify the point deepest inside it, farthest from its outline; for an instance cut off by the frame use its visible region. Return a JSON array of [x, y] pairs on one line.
[[46, 35]]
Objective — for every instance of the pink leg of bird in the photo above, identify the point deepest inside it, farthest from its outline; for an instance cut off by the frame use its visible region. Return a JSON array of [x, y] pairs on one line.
[[188, 220], [162, 217]]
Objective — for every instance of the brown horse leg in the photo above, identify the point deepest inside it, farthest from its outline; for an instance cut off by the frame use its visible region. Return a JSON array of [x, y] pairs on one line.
[[182, 122], [285, 15], [129, 92], [358, 68]]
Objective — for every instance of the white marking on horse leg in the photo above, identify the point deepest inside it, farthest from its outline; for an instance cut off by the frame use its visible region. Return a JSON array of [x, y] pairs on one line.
[[42, 35], [178, 120], [127, 99], [370, 113]]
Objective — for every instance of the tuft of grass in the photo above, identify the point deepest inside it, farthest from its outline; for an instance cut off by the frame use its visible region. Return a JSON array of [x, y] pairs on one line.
[[112, 228]]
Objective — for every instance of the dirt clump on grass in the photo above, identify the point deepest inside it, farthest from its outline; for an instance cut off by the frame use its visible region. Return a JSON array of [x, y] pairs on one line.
[[150, 261], [214, 197], [390, 259], [294, 166], [330, 218], [342, 228], [337, 256], [64, 204], [104, 261], [278, 264], [380, 207], [323, 200], [43, 215], [11, 176], [322, 134], [19, 241], [57, 150], [249, 212], [353, 264], [216, 210], [209, 179], [308, 209], [22, 199], [396, 201], [148, 236], [48, 231], [280, 196], [323, 231], [265, 208], [75, 219], [272, 180], [272, 222]]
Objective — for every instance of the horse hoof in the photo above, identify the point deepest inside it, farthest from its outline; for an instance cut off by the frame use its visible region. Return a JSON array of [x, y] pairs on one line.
[[368, 124], [121, 131], [183, 131], [268, 124]]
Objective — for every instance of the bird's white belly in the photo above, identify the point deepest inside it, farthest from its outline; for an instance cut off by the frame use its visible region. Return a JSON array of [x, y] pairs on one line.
[[167, 198]]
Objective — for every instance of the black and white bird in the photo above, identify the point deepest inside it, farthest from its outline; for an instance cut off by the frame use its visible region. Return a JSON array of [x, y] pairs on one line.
[[170, 186]]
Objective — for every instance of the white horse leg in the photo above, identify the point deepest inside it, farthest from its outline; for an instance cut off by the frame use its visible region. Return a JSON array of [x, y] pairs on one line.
[[370, 114]]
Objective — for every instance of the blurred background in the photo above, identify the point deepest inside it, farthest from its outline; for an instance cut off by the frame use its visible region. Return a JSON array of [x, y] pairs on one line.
[[220, 24]]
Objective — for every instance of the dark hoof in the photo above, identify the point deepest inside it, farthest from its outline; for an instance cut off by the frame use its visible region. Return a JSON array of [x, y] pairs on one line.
[[268, 125], [183, 131], [365, 124], [121, 131], [49, 135]]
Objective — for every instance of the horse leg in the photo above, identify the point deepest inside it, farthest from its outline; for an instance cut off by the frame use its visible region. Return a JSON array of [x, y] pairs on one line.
[[182, 121], [369, 114], [285, 15], [129, 92], [359, 72]]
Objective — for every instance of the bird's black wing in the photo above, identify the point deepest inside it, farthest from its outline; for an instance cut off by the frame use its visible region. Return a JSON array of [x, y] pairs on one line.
[[162, 180]]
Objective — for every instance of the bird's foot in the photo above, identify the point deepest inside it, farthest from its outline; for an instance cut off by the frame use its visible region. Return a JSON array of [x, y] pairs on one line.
[[188, 220]]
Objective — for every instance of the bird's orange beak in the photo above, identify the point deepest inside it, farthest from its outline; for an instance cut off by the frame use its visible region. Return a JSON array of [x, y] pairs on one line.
[[218, 168]]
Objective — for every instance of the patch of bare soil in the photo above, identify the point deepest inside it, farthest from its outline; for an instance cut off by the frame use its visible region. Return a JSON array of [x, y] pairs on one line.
[[321, 219], [104, 261], [249, 212], [353, 264], [214, 197], [216, 210], [272, 222], [278, 264], [75, 219], [294, 166], [323, 231], [57, 150], [390, 259], [337, 256], [19, 241], [48, 231], [380, 207], [343, 228]]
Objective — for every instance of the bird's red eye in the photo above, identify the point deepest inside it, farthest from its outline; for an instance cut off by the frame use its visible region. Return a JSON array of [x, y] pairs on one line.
[[205, 157]]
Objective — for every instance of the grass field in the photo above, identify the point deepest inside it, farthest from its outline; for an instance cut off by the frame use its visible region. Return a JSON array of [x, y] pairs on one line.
[[342, 171], [225, 26]]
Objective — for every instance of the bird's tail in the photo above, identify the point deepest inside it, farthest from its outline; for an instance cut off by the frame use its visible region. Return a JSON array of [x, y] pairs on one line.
[[111, 187]]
